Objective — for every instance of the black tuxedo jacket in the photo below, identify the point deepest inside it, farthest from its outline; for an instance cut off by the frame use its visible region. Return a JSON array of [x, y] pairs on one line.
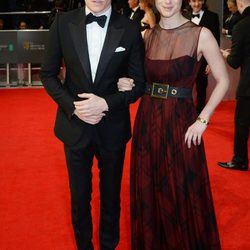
[[67, 41], [240, 53], [229, 23], [138, 15], [210, 20]]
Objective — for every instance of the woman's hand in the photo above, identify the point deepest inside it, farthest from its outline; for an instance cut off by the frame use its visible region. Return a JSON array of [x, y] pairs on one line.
[[125, 84], [208, 70], [194, 133]]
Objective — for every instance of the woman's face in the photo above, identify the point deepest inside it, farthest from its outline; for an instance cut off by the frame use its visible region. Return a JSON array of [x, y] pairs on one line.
[[168, 8], [196, 5]]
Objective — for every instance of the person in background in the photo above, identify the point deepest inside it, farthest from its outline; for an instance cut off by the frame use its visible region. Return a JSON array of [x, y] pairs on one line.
[[239, 56], [171, 200], [2, 28], [23, 25], [1, 24], [59, 6], [73, 4], [232, 19], [136, 13], [149, 20], [122, 7], [200, 15], [98, 46], [21, 66]]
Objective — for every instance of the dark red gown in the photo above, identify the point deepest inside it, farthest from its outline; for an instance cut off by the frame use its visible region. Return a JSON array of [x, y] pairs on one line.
[[171, 200]]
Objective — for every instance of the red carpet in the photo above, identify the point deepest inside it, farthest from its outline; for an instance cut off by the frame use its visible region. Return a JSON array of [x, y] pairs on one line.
[[34, 194]]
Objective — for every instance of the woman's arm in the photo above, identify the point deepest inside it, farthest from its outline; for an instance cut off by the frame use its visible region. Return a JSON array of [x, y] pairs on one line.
[[209, 48]]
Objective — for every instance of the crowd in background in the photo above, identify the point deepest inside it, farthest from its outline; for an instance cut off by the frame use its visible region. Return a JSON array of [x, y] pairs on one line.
[[43, 21], [34, 21]]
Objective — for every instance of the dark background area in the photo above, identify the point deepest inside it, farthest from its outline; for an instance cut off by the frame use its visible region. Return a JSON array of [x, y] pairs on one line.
[[40, 21]]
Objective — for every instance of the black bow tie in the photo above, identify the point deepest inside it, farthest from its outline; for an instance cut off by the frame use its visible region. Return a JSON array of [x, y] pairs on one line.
[[101, 20], [195, 15]]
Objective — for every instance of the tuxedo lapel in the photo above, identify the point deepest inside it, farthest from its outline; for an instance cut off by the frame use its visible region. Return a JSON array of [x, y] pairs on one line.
[[112, 39], [136, 14], [79, 37], [204, 20]]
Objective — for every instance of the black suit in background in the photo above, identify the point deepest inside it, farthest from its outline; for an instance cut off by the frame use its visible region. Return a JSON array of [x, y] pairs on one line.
[[231, 21], [209, 20], [122, 55], [240, 57], [137, 15]]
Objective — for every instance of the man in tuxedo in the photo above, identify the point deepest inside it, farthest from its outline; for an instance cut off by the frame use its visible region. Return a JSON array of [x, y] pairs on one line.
[[136, 13], [98, 46], [232, 19], [239, 56], [200, 15]]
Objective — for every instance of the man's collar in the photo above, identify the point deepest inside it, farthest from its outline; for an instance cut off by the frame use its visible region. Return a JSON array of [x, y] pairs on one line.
[[246, 12], [136, 8], [200, 13], [106, 13]]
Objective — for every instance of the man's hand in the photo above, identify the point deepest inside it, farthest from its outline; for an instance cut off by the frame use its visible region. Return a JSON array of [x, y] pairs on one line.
[[224, 31], [91, 108], [208, 70], [225, 52], [125, 84], [94, 119]]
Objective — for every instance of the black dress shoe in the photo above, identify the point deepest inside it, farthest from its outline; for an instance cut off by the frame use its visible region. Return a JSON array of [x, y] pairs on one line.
[[233, 165]]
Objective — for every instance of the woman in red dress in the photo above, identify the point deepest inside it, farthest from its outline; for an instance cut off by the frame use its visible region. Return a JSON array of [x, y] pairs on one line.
[[171, 200]]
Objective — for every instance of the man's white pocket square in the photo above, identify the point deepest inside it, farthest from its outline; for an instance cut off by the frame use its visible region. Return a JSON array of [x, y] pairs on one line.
[[120, 49]]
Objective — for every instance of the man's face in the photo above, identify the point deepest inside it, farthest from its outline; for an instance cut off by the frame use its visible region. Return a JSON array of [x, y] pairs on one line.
[[232, 7], [1, 24], [196, 5], [132, 3], [98, 6], [240, 6], [23, 26]]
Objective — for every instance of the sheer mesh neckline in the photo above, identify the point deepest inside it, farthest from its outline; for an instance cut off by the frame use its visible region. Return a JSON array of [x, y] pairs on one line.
[[169, 44], [179, 26]]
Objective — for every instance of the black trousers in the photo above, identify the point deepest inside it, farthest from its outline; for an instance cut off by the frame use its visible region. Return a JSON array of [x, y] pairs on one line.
[[201, 87], [110, 164], [242, 125]]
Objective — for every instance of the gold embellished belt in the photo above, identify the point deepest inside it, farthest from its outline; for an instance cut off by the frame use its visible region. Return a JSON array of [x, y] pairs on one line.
[[160, 90]]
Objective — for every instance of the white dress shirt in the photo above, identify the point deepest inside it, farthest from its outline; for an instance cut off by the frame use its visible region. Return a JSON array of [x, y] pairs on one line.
[[197, 20], [95, 39]]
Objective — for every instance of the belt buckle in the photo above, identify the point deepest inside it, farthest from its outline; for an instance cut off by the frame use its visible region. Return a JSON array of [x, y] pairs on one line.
[[159, 90]]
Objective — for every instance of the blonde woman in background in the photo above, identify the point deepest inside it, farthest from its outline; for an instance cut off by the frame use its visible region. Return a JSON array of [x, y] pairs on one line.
[[149, 20]]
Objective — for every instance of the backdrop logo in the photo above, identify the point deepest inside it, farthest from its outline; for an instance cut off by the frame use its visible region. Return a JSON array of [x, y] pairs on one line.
[[7, 47], [26, 45], [11, 47], [33, 46]]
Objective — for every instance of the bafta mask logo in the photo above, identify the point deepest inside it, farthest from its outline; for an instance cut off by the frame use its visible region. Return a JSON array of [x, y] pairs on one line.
[[26, 45]]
